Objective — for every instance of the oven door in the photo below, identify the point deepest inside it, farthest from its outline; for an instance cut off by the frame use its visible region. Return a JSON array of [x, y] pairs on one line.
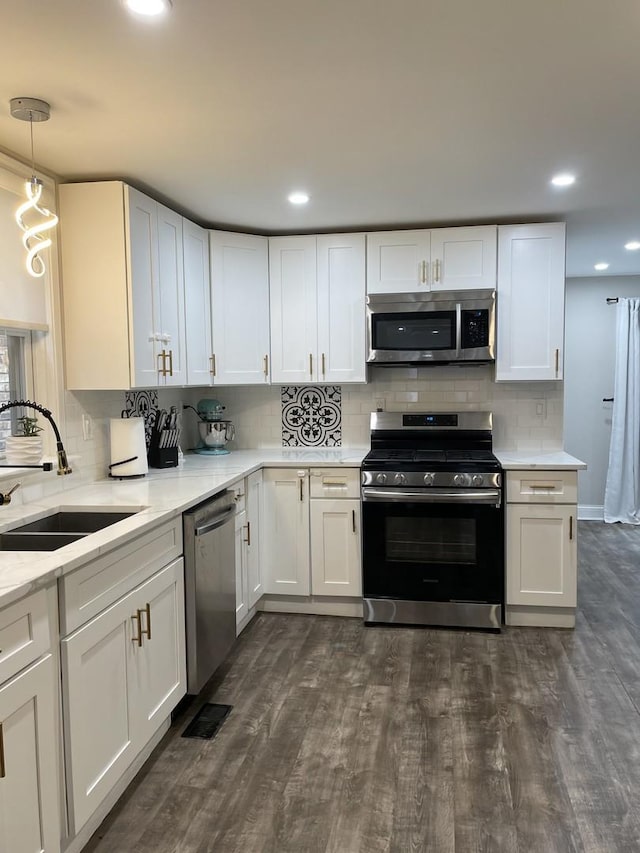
[[433, 545]]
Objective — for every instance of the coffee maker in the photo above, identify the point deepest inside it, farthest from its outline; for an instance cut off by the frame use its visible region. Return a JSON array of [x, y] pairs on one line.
[[215, 431]]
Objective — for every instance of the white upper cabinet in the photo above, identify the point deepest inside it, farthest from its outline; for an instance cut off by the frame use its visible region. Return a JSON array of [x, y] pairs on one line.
[[341, 308], [123, 288], [240, 308], [464, 258], [294, 332], [439, 259], [398, 261], [197, 299], [318, 308], [530, 302]]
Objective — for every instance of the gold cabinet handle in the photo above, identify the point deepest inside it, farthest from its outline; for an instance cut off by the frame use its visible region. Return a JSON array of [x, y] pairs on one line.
[[170, 362], [423, 272], [438, 271], [248, 539], [3, 769], [541, 486], [163, 370], [353, 520], [147, 632], [212, 364], [323, 365], [557, 361], [136, 618], [310, 364], [266, 365], [570, 527]]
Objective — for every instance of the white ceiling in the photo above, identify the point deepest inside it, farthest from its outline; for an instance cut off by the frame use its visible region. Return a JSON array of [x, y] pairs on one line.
[[399, 113]]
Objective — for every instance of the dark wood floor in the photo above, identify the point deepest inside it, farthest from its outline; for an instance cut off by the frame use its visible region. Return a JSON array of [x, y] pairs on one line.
[[345, 738]]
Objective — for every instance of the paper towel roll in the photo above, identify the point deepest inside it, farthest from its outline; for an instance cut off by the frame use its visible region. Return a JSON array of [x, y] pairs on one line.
[[127, 440]]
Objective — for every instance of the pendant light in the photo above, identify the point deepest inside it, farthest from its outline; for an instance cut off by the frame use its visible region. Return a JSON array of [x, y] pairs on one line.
[[34, 237]]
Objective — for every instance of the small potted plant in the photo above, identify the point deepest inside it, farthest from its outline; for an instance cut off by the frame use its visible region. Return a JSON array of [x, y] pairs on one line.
[[25, 447]]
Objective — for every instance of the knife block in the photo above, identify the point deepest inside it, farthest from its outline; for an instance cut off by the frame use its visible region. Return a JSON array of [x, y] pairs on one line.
[[163, 457]]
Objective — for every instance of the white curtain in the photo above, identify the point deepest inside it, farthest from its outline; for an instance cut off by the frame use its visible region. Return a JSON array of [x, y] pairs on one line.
[[622, 492]]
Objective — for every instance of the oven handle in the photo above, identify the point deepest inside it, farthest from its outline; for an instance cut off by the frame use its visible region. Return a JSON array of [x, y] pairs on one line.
[[488, 496]]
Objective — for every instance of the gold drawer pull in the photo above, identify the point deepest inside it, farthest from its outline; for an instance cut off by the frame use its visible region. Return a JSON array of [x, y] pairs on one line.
[[146, 632], [542, 486], [136, 618], [327, 481]]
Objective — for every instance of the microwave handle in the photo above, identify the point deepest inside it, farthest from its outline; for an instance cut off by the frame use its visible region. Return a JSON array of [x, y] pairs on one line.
[[458, 328]]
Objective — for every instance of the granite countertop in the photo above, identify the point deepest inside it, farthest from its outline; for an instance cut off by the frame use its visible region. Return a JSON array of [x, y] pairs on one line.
[[158, 497], [523, 460]]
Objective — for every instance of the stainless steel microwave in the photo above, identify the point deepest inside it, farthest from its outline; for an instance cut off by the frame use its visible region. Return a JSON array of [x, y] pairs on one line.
[[451, 327]]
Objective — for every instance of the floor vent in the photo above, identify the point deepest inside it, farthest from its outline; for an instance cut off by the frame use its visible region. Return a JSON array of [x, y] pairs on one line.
[[206, 723]]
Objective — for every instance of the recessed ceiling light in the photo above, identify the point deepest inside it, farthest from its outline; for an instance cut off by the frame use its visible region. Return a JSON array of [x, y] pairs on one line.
[[298, 198], [601, 266], [632, 245], [148, 7], [564, 179]]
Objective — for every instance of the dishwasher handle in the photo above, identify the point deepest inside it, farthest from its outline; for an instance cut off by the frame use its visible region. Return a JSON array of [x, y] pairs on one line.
[[215, 522]]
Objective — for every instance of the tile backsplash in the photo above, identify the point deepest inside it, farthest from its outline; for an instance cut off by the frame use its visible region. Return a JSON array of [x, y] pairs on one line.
[[311, 415]]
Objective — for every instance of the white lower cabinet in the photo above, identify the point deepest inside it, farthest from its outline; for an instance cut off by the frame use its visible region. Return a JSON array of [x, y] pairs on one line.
[[254, 490], [122, 674], [541, 548], [242, 596], [335, 547], [311, 532], [286, 531], [29, 804]]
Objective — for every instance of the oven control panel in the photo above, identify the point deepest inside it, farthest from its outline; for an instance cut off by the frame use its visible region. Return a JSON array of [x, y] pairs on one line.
[[437, 479]]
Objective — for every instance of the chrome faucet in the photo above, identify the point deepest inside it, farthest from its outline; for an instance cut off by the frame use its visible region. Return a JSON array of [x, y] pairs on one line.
[[63, 465]]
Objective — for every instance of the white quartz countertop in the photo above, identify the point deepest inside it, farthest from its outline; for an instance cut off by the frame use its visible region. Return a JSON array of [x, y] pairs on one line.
[[158, 497], [522, 460]]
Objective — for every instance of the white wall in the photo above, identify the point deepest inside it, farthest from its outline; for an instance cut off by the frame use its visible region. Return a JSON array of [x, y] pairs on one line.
[[589, 370]]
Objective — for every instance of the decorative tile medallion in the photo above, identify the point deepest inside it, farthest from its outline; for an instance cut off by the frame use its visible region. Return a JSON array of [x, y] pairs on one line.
[[141, 404], [311, 416]]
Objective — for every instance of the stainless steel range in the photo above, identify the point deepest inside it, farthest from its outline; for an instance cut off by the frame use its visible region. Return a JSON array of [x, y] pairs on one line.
[[433, 528]]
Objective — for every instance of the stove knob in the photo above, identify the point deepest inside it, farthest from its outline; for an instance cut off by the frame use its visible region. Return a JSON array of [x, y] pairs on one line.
[[428, 479], [399, 479], [460, 479], [477, 480], [381, 478]]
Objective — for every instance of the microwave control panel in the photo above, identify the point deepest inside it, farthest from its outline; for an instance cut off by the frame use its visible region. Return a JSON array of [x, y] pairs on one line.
[[475, 329]]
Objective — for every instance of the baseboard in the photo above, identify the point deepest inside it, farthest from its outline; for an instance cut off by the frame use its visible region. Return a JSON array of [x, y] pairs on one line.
[[324, 606], [590, 513]]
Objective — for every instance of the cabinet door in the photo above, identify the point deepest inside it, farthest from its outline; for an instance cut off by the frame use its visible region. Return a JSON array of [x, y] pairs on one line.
[[29, 810], [171, 287], [197, 304], [541, 553], [294, 339], [159, 665], [142, 232], [240, 306], [286, 531], [254, 536], [398, 261], [335, 547], [100, 724], [530, 301], [341, 308], [242, 598], [464, 258]]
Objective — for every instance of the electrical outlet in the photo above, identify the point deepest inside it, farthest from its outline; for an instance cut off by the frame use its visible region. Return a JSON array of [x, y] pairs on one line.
[[87, 427], [379, 404], [541, 409]]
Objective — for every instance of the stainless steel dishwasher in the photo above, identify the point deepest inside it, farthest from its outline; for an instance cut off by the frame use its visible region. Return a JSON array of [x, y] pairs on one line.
[[210, 586]]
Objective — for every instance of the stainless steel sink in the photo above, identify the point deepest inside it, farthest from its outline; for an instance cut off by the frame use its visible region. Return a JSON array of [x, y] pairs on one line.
[[37, 541], [59, 529]]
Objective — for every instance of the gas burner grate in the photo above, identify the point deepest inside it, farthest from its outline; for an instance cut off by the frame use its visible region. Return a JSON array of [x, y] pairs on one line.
[[429, 456], [390, 456], [469, 456]]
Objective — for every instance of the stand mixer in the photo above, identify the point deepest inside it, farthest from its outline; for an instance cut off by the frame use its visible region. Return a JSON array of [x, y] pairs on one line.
[[214, 430]]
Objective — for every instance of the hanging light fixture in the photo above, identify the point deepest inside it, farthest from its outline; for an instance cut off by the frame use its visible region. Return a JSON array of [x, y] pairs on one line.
[[34, 236]]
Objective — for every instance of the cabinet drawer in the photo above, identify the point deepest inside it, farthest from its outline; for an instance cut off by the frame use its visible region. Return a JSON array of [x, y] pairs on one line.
[[542, 487], [87, 591], [24, 633], [335, 483]]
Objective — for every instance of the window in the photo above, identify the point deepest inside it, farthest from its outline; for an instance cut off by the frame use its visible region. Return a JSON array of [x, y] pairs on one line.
[[15, 376]]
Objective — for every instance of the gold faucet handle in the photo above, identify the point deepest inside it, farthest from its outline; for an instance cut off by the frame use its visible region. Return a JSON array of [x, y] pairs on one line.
[[6, 498]]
